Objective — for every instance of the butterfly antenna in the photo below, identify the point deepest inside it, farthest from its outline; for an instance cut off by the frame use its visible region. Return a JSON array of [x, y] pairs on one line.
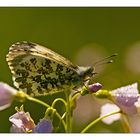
[[105, 60]]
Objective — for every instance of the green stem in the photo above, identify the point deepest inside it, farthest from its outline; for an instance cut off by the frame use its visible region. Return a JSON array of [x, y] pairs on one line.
[[68, 112], [64, 115], [97, 120], [125, 124], [38, 101], [46, 105], [75, 96], [59, 99]]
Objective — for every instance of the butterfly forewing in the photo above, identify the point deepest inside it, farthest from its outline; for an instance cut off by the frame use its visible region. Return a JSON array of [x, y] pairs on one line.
[[39, 71]]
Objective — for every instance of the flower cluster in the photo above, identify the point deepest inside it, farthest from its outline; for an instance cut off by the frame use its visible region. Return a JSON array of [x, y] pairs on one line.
[[23, 123], [126, 99]]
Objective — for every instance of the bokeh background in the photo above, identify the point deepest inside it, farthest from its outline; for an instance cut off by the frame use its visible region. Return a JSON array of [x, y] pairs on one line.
[[83, 35]]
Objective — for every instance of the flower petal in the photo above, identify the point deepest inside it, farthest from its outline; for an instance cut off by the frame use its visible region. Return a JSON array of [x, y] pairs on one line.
[[15, 129], [22, 121], [129, 90], [44, 126], [6, 95], [125, 98], [137, 105], [109, 108]]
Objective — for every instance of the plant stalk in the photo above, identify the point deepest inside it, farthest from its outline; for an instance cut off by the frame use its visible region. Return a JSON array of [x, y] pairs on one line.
[[125, 124], [68, 112]]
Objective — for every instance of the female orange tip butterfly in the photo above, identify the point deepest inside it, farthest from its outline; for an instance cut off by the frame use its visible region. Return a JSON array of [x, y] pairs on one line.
[[40, 71]]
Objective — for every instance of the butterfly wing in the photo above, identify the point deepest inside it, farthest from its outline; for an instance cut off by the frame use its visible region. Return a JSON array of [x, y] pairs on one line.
[[40, 71]]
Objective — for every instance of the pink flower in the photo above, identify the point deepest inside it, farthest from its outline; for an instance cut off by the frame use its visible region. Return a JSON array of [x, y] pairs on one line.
[[126, 97], [7, 95], [23, 123]]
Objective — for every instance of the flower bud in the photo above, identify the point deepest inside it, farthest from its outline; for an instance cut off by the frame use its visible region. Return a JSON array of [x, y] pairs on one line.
[[91, 88], [44, 126], [95, 87]]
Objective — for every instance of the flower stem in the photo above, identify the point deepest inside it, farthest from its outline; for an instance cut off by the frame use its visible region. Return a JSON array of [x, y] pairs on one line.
[[97, 120], [59, 99], [46, 105], [75, 96], [68, 112], [38, 101], [125, 124]]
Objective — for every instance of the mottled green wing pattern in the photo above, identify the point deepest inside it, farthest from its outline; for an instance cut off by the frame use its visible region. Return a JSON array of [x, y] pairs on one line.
[[39, 71]]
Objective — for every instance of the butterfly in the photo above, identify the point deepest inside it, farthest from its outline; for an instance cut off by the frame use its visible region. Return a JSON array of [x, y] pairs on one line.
[[38, 70]]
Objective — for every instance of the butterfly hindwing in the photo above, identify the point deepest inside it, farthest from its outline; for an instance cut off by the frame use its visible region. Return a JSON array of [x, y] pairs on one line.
[[39, 71]]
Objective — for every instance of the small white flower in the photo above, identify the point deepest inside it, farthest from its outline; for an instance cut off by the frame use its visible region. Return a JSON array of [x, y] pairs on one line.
[[109, 108]]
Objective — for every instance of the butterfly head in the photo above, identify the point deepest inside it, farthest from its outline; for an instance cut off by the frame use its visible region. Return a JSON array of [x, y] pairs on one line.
[[86, 72]]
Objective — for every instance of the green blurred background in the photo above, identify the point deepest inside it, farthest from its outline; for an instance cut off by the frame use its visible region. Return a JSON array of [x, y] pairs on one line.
[[83, 35]]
